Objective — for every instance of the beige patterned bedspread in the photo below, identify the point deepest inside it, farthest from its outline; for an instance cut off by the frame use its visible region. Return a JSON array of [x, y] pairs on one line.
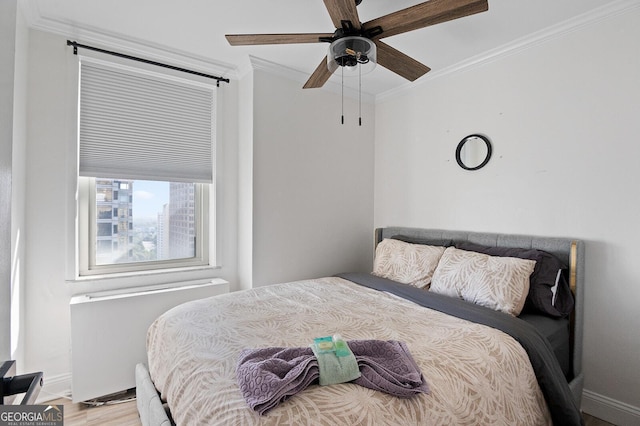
[[477, 375]]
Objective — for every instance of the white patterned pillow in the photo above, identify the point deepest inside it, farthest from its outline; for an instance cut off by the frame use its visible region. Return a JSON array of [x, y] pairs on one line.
[[405, 262], [500, 283]]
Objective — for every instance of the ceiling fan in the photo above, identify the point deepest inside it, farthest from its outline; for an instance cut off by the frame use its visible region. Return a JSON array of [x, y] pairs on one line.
[[354, 43]]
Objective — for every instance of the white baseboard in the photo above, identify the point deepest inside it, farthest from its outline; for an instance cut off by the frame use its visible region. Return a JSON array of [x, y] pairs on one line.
[[610, 410], [55, 387]]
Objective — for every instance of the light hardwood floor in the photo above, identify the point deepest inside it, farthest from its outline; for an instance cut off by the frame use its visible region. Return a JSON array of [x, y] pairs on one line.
[[593, 421], [121, 414], [126, 414]]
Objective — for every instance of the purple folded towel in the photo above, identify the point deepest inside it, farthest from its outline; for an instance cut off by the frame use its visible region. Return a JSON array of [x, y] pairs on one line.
[[269, 376]]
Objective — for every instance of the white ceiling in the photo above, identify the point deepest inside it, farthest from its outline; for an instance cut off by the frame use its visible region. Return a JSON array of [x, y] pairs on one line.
[[196, 28]]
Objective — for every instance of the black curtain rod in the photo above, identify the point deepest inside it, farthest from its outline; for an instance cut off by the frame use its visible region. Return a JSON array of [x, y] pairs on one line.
[[146, 61]]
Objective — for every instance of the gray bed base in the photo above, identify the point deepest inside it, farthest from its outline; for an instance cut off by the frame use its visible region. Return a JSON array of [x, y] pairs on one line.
[[154, 413], [150, 408]]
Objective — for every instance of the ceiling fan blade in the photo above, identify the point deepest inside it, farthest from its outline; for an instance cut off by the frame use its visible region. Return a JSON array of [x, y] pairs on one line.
[[319, 76], [343, 10], [399, 63], [425, 14], [254, 39]]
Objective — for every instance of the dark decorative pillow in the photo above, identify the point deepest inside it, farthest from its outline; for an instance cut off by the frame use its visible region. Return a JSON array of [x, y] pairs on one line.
[[424, 241], [549, 290]]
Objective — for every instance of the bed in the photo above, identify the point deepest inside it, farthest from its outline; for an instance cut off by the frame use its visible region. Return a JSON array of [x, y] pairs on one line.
[[483, 364]]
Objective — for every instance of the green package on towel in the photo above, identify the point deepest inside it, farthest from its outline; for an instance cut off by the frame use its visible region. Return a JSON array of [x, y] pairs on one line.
[[336, 369]]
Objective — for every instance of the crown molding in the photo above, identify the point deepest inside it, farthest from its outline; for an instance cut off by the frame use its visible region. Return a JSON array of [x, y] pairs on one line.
[[302, 77], [136, 47], [158, 52], [519, 45]]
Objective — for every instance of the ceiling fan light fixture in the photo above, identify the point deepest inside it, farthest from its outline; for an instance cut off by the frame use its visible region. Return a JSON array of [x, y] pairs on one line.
[[349, 52]]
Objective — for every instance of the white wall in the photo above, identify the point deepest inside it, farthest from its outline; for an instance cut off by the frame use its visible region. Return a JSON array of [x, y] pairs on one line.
[[18, 193], [8, 10], [13, 84], [245, 182], [312, 182], [563, 117], [227, 194], [47, 309]]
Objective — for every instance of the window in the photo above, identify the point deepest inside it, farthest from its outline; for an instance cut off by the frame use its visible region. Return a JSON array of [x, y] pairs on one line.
[[159, 226], [146, 144]]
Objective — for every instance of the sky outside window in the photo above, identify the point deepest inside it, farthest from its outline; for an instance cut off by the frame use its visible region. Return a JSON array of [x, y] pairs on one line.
[[148, 198]]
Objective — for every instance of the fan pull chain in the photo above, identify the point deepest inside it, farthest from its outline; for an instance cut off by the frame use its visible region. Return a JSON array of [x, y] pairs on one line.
[[360, 94], [342, 69]]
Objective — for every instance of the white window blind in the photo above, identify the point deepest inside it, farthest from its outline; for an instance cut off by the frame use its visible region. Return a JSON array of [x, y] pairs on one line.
[[140, 125]]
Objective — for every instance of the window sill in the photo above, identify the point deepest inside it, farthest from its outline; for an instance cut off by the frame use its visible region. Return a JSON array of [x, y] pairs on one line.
[[133, 280]]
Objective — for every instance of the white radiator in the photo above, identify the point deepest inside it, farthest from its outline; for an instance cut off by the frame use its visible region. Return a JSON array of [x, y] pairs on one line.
[[109, 331]]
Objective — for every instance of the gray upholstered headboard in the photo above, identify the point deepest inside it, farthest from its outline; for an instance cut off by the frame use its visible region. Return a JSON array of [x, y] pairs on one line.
[[570, 251]]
